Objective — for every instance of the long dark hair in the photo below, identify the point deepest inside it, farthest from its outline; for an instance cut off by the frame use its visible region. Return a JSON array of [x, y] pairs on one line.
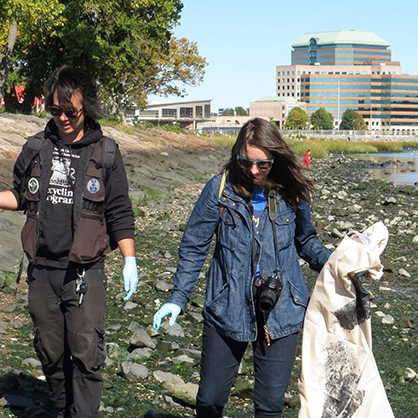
[[68, 80], [286, 173]]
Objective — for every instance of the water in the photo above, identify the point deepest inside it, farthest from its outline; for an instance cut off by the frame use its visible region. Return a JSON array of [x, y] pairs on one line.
[[400, 168]]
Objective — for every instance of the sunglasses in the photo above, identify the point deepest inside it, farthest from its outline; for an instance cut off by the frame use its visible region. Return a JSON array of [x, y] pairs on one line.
[[70, 112], [261, 164]]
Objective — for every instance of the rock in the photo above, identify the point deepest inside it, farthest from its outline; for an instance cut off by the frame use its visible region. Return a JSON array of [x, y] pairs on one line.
[[410, 375], [11, 253], [388, 320], [194, 316], [356, 208], [403, 272], [195, 354], [129, 305], [176, 330], [140, 354], [167, 346], [184, 359], [186, 392], [32, 362], [242, 388], [406, 322], [113, 350], [140, 338], [163, 286], [111, 329], [163, 377], [389, 201], [134, 371]]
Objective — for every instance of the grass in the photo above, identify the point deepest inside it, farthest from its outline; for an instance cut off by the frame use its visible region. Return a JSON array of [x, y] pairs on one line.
[[321, 148], [157, 248]]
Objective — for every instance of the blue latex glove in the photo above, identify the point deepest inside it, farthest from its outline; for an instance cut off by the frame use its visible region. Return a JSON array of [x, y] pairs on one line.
[[130, 276], [165, 310]]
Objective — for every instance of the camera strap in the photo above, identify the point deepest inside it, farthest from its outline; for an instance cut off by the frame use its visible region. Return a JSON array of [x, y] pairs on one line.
[[272, 208]]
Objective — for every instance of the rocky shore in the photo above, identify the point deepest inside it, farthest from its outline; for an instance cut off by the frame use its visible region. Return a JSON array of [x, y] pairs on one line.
[[154, 374]]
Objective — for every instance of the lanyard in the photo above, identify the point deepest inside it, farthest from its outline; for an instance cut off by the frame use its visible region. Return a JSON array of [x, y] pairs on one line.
[[272, 210]]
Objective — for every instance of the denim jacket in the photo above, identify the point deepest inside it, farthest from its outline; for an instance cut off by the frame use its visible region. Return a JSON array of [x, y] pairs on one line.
[[229, 306]]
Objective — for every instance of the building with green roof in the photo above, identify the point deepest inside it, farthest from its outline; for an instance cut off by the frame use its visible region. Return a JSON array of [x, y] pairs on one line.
[[345, 47], [347, 69]]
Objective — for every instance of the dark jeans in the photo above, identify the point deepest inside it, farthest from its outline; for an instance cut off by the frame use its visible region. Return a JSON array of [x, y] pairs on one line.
[[69, 338], [221, 358]]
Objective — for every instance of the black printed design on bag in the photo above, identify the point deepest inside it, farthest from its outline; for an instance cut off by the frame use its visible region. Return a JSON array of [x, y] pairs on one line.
[[342, 374]]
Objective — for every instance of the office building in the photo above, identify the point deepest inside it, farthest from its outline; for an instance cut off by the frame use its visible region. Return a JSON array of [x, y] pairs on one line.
[[186, 113], [352, 69]]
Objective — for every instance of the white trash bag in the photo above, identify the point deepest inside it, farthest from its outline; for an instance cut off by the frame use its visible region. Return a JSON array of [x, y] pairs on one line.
[[339, 377]]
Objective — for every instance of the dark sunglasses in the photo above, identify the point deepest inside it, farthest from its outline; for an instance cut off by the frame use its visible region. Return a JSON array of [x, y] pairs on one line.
[[261, 164], [70, 112]]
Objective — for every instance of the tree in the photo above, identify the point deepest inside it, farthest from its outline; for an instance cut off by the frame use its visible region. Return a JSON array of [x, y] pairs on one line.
[[322, 119], [297, 119], [127, 45], [228, 112], [352, 120], [240, 111], [24, 20]]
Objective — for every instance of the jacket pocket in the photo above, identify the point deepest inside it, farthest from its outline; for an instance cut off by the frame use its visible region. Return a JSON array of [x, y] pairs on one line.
[[285, 224], [90, 239], [228, 229], [100, 352], [219, 304], [28, 236], [299, 296], [39, 348]]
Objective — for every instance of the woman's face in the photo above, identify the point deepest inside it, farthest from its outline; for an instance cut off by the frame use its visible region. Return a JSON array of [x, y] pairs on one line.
[[259, 161]]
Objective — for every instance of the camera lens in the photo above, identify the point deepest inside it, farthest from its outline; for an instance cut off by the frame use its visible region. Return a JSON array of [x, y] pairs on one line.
[[268, 294], [266, 304]]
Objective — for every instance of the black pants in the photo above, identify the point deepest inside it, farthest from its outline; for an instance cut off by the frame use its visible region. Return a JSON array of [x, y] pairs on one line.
[[68, 337], [221, 358]]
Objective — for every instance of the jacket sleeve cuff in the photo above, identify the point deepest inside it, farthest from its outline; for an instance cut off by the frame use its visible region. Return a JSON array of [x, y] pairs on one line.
[[128, 233]]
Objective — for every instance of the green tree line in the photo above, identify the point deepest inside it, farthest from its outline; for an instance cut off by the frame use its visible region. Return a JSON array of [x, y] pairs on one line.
[[127, 45], [322, 119]]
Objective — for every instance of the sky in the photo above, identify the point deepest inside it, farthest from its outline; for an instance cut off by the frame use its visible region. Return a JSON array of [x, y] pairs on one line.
[[244, 40]]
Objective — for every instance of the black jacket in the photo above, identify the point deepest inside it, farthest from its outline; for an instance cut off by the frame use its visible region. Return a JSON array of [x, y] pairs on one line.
[[63, 187]]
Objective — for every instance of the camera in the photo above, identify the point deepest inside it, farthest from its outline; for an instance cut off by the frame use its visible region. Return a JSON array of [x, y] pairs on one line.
[[267, 292]]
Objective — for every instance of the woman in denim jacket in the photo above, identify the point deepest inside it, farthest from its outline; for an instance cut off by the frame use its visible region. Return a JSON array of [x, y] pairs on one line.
[[255, 288]]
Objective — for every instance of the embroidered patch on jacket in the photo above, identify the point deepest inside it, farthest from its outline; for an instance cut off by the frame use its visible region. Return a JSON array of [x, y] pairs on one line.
[[33, 185], [93, 185]]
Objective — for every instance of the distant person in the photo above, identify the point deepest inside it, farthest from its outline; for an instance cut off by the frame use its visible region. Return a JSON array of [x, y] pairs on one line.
[[77, 207], [307, 158], [256, 292]]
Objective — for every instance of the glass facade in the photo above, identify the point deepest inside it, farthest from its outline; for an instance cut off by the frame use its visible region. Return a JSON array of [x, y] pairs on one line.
[[392, 99]]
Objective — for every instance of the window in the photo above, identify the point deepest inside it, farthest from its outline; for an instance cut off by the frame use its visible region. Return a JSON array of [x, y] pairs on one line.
[[207, 111], [186, 112], [169, 113], [312, 52], [199, 111]]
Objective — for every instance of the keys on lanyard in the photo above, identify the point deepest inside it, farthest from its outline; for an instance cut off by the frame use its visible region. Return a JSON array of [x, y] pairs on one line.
[[80, 285]]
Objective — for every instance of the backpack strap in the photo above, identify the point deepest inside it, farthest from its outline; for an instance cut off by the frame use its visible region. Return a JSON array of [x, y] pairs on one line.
[[108, 156], [221, 189], [35, 143]]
